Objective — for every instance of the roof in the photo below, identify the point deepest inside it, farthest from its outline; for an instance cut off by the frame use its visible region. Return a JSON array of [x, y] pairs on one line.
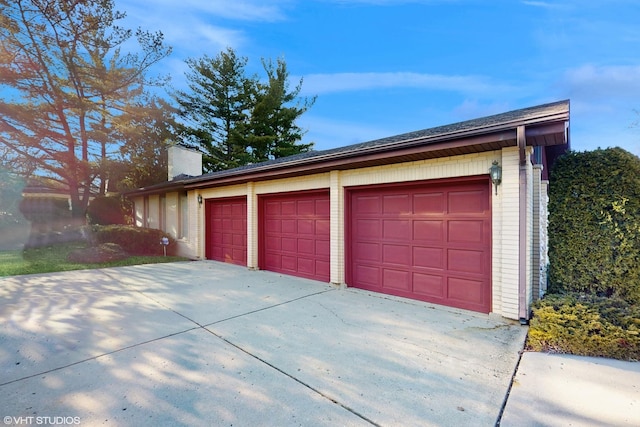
[[545, 125]]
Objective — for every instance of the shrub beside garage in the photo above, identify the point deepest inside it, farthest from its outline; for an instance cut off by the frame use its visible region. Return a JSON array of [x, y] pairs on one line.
[[111, 236], [594, 252], [587, 326], [134, 240]]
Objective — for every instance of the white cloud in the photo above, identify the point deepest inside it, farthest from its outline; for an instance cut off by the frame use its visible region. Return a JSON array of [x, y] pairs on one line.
[[245, 10], [389, 2], [603, 82], [193, 27], [544, 4], [344, 82]]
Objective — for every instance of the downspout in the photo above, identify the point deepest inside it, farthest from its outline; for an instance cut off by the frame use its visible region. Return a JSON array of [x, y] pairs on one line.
[[523, 310]]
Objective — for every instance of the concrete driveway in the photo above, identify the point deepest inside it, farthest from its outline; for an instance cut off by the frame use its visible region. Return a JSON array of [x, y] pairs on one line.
[[206, 343]]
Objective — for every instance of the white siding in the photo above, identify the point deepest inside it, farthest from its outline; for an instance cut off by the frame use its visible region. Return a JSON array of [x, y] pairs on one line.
[[509, 258]]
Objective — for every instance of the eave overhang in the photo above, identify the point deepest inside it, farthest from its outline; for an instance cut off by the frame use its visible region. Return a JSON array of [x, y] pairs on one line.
[[545, 125]]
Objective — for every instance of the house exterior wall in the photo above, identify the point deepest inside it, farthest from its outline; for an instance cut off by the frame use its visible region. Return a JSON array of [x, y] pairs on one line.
[[336, 218], [504, 209], [509, 235]]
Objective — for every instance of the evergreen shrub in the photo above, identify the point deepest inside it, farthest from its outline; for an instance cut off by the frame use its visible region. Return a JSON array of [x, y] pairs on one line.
[[594, 224], [586, 326], [134, 240]]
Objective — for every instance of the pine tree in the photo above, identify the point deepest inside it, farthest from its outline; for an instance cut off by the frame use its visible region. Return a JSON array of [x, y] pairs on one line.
[[66, 81]]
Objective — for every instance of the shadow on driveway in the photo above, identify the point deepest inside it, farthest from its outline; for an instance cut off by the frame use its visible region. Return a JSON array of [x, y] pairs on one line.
[[206, 343]]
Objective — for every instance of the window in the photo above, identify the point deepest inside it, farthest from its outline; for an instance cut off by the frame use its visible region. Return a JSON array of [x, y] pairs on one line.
[[163, 212], [145, 214], [183, 216]]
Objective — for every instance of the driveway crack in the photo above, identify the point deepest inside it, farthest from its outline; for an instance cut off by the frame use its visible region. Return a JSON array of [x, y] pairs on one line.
[[294, 378], [256, 357]]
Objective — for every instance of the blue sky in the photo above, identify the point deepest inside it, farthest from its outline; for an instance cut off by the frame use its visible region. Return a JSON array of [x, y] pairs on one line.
[[384, 67]]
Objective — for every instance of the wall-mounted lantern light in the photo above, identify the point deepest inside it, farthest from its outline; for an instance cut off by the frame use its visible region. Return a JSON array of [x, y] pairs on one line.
[[199, 199], [496, 174]]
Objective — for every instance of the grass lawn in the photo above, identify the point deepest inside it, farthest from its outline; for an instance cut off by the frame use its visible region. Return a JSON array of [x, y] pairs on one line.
[[54, 258]]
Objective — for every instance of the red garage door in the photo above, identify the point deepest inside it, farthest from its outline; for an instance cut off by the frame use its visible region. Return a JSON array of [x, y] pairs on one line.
[[226, 230], [295, 234], [430, 242]]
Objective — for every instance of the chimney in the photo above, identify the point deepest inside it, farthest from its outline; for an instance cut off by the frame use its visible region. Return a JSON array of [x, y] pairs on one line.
[[183, 161]]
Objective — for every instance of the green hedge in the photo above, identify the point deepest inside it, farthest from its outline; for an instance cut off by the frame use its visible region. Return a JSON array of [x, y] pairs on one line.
[[585, 325], [594, 224], [134, 240]]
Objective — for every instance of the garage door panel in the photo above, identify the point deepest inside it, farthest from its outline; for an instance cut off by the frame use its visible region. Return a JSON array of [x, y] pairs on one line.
[[272, 208], [367, 275], [274, 225], [431, 203], [396, 203], [323, 207], [466, 291], [398, 280], [471, 231], [238, 240], [428, 257], [226, 230], [428, 285], [306, 246], [430, 241], [288, 263], [237, 254], [396, 229], [364, 251], [288, 207], [288, 226], [322, 227], [466, 261], [428, 230], [227, 239], [322, 246], [289, 244], [306, 208], [323, 267], [238, 209], [300, 223], [306, 226], [274, 260], [306, 265], [365, 204], [396, 254], [368, 228], [468, 202]]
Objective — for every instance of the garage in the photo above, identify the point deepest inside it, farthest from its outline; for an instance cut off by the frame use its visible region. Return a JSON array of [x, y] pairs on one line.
[[294, 237], [226, 230], [429, 241]]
